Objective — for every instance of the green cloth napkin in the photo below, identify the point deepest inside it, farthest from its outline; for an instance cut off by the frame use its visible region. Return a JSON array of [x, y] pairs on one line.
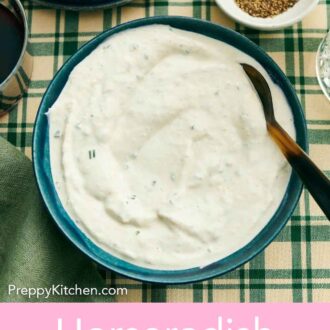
[[33, 252]]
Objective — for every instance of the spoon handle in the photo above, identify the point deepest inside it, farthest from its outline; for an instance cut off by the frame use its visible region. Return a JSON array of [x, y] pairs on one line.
[[313, 178]]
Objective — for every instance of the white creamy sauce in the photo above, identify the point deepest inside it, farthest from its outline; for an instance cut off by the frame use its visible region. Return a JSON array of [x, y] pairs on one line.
[[159, 149]]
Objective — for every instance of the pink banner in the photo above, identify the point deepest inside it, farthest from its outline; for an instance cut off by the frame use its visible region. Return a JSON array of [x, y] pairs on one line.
[[164, 316]]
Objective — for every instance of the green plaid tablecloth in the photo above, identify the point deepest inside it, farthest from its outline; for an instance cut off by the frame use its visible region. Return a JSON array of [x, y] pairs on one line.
[[296, 266]]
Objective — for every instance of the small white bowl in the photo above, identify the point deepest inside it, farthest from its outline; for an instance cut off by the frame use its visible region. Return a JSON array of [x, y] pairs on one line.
[[289, 17]]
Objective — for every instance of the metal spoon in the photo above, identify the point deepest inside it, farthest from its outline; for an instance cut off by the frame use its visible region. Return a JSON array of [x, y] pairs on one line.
[[315, 181]]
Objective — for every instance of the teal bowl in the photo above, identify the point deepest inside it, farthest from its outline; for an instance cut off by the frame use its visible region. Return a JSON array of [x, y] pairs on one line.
[[42, 167]]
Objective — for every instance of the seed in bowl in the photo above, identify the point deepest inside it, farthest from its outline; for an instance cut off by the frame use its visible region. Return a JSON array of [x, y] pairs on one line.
[[265, 8]]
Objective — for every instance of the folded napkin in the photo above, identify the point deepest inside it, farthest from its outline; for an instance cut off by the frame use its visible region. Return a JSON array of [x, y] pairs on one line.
[[33, 251]]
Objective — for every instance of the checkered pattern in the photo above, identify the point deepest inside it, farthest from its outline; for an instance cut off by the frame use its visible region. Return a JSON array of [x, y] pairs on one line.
[[296, 266]]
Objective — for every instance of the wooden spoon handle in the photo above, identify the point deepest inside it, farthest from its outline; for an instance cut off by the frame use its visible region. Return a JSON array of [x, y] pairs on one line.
[[315, 181]]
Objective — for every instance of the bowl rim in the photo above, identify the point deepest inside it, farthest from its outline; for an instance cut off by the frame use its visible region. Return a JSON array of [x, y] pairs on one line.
[[83, 5], [317, 65], [259, 24], [54, 207]]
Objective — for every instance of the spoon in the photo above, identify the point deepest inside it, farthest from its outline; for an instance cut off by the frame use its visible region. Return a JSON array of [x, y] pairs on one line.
[[315, 181]]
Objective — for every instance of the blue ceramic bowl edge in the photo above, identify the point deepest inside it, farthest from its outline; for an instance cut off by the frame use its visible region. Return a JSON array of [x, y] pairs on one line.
[[155, 277]]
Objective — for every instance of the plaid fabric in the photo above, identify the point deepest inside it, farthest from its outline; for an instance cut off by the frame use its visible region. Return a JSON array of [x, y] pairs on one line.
[[294, 268]]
